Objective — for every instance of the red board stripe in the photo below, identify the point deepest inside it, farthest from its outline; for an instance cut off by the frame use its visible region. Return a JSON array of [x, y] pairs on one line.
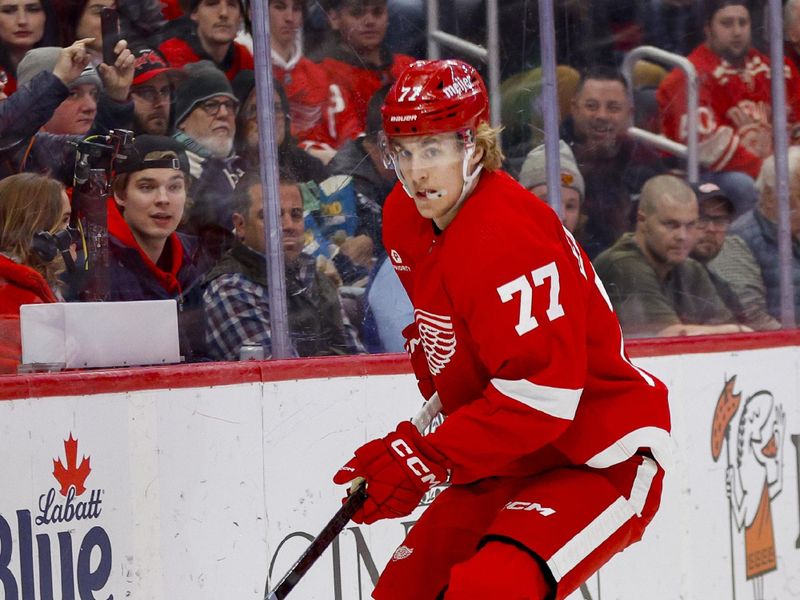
[[73, 383]]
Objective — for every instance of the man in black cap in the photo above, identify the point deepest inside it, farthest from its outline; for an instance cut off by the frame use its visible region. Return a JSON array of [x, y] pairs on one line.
[[151, 92], [205, 121], [729, 262], [148, 258]]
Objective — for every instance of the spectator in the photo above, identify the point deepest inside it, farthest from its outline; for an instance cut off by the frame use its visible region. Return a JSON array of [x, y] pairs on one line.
[[791, 31], [35, 101], [304, 81], [656, 289], [735, 102], [729, 262], [759, 229], [215, 24], [292, 161], [148, 259], [24, 24], [362, 160], [76, 115], [138, 21], [51, 153], [358, 62], [205, 119], [614, 165], [236, 299], [32, 204], [152, 91], [534, 178]]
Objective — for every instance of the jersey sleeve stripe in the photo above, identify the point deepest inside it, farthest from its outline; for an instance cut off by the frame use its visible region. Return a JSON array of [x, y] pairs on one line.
[[656, 439], [606, 523], [556, 402]]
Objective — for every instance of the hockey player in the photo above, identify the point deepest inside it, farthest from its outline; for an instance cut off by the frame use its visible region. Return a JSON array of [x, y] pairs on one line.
[[554, 443]]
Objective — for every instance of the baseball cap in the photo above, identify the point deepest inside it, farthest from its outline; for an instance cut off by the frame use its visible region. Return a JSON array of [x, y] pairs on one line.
[[44, 59], [152, 152], [534, 169], [150, 63], [710, 191]]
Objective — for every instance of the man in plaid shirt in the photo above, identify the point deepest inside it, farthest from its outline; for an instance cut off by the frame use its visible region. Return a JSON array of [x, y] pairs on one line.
[[236, 298]]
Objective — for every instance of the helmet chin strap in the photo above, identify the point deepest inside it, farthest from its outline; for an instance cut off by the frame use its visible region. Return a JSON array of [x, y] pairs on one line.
[[470, 180]]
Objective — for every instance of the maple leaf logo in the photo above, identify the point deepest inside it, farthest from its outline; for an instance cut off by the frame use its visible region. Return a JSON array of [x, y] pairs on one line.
[[71, 475]]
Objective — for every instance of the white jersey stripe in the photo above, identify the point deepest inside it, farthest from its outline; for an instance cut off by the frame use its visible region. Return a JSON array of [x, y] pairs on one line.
[[606, 523], [656, 439], [556, 402]]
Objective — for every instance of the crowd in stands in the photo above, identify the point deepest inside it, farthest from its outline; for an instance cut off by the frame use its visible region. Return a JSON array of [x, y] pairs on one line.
[[184, 210]]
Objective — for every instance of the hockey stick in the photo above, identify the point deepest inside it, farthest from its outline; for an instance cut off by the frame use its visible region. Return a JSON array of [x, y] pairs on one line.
[[342, 517]]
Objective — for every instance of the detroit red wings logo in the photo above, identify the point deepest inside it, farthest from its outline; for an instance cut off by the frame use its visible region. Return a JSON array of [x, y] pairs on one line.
[[438, 339]]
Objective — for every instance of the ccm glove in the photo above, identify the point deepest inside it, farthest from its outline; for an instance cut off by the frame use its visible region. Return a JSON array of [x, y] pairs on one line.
[[399, 469], [419, 362]]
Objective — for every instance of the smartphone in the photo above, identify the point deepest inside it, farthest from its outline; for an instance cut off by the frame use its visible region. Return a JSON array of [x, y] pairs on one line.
[[109, 23]]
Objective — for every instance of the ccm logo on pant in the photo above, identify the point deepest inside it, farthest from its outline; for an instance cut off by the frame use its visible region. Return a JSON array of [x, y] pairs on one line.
[[414, 463], [530, 506]]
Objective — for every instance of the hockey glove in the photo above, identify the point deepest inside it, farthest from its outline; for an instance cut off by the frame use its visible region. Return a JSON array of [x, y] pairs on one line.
[[399, 469], [419, 362]]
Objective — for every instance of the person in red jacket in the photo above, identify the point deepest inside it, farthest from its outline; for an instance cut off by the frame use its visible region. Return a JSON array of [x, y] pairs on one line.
[[358, 63], [305, 82], [216, 23], [554, 444], [735, 100], [31, 213]]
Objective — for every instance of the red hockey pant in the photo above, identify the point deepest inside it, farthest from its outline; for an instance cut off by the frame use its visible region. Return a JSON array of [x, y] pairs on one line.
[[574, 519]]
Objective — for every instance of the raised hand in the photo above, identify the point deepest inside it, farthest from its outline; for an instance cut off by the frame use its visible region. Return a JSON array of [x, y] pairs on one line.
[[117, 78], [72, 60]]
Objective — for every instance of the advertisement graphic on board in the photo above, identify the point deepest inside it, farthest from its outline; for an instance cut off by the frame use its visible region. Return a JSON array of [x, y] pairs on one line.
[[60, 545]]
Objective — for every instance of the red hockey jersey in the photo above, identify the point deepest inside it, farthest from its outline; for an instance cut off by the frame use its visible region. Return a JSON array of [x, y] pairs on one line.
[[520, 337], [352, 85], [735, 114], [179, 52], [309, 94]]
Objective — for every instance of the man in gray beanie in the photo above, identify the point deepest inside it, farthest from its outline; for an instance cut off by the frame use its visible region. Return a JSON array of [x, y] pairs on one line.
[[205, 122], [56, 81], [534, 177], [76, 114]]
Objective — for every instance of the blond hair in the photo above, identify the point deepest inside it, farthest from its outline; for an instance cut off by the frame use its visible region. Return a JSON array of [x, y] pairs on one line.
[[487, 138], [30, 203]]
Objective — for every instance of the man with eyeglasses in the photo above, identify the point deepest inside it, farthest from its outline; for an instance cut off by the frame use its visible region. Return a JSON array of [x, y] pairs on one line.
[[728, 261], [151, 92], [655, 287], [205, 122]]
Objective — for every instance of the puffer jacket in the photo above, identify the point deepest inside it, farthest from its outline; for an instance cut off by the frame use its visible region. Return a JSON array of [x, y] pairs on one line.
[[19, 284]]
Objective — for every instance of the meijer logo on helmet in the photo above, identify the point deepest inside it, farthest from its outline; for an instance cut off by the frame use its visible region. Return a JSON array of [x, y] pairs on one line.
[[459, 86]]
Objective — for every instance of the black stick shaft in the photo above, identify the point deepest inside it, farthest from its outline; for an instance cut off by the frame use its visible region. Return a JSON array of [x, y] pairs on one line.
[[320, 543]]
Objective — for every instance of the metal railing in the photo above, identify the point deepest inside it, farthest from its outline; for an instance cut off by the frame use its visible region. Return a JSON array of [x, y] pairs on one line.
[[691, 151], [490, 55]]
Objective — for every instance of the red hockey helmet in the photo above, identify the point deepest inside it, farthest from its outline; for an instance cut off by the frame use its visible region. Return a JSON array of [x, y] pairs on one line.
[[435, 96]]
